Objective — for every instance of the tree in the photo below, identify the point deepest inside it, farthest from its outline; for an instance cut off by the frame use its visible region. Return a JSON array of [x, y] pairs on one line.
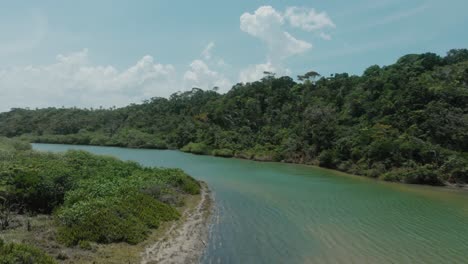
[[309, 76], [456, 56]]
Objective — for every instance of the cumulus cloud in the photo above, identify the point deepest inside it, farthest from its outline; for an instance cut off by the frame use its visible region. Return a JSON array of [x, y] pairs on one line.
[[262, 22], [73, 81], [268, 25], [256, 72], [308, 19], [201, 76]]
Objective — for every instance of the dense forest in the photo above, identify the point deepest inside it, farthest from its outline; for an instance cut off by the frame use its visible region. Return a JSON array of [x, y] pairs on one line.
[[91, 199], [405, 122]]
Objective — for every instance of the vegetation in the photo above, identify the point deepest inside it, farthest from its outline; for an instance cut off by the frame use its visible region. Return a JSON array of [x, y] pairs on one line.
[[92, 198], [404, 122], [22, 254]]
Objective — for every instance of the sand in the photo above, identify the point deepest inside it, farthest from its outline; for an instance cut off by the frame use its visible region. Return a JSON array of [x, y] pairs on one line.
[[185, 241]]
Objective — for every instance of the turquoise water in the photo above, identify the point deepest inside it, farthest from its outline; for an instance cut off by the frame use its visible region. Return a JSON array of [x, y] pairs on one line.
[[283, 213]]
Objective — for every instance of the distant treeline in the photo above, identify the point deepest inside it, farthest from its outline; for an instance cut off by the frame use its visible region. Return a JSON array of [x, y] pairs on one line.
[[404, 122]]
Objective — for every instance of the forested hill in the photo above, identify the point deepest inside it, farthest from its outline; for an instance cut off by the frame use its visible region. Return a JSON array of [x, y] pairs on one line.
[[404, 122]]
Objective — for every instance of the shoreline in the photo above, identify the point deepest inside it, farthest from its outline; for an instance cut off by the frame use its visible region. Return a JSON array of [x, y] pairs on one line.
[[186, 240], [447, 185]]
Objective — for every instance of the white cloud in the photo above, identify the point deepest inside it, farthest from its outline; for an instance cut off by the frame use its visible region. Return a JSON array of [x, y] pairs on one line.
[[256, 72], [206, 53], [268, 25], [294, 46], [308, 19], [325, 36], [73, 81], [201, 76], [262, 22], [207, 56]]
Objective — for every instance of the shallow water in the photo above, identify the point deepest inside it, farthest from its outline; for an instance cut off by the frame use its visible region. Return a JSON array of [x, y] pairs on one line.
[[283, 213]]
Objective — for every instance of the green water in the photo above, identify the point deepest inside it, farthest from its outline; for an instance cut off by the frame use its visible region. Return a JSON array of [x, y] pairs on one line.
[[280, 213]]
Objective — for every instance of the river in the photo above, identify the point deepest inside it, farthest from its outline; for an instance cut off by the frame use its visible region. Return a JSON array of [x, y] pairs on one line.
[[284, 213]]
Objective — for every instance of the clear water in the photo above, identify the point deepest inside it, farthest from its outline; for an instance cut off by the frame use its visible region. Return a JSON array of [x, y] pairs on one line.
[[282, 213]]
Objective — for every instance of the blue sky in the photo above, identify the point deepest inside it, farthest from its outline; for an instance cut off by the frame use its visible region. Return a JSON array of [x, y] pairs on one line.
[[90, 53]]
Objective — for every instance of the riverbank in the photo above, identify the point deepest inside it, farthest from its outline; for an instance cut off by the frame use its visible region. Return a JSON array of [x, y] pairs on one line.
[[186, 239], [389, 176], [189, 232]]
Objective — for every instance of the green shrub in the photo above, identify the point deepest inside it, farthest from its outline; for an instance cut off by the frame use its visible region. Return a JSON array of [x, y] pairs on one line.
[[417, 175], [178, 179], [7, 144], [263, 153], [134, 138], [422, 175], [84, 244], [122, 209], [22, 254], [392, 176], [126, 218], [377, 169], [226, 153], [455, 169], [196, 148], [244, 154], [100, 140], [327, 159]]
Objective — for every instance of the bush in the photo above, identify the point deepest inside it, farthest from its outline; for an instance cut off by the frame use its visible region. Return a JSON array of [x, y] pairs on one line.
[[392, 176], [178, 179], [327, 159], [22, 254], [422, 175], [84, 244], [7, 144], [134, 138], [244, 154], [107, 209], [226, 153], [418, 175], [196, 148], [127, 218], [376, 170], [100, 140], [455, 169], [263, 153]]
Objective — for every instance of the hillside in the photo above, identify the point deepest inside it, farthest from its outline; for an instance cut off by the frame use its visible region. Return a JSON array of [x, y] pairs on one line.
[[404, 122]]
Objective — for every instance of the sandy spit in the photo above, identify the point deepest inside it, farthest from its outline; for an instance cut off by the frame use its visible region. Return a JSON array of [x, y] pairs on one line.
[[185, 241]]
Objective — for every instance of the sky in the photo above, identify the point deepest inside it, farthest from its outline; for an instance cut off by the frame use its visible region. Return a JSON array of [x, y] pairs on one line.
[[107, 53]]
